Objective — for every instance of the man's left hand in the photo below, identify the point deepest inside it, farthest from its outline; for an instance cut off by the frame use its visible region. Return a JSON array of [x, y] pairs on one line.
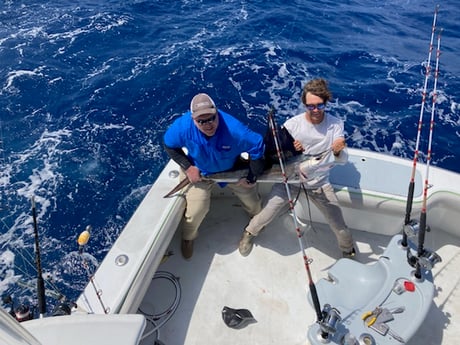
[[337, 146]]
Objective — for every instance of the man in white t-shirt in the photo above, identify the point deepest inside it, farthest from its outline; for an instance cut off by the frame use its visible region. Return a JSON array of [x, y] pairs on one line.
[[314, 132]]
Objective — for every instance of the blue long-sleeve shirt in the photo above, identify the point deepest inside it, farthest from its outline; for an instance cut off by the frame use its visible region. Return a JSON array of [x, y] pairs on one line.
[[219, 152]]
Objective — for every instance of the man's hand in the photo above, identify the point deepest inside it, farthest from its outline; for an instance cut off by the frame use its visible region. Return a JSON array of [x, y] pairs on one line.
[[193, 174], [298, 145], [337, 146], [244, 183]]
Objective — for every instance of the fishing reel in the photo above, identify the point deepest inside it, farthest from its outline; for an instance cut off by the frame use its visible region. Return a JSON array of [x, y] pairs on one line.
[[428, 258], [328, 324], [23, 313], [412, 230], [63, 308], [426, 261]]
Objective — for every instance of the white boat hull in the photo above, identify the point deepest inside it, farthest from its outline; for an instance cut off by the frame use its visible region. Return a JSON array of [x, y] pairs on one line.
[[272, 282], [372, 190]]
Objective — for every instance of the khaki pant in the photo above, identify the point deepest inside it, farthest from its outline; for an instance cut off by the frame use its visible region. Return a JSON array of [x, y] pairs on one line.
[[324, 198], [198, 201]]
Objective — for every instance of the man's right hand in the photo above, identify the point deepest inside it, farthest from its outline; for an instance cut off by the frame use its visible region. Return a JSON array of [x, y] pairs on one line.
[[298, 146], [193, 174]]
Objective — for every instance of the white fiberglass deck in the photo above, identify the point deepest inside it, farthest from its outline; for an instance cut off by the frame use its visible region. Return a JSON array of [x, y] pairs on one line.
[[272, 282]]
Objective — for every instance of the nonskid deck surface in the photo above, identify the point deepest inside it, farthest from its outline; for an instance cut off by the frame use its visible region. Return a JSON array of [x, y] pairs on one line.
[[272, 282]]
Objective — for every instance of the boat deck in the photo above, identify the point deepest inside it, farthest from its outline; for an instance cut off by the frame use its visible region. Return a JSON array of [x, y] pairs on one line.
[[272, 282]]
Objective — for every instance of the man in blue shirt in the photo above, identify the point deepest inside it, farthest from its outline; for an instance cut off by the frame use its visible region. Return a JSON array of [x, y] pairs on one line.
[[206, 140]]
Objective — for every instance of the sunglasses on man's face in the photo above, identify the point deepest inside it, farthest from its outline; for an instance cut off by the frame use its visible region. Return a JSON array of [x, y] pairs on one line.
[[319, 106], [203, 122]]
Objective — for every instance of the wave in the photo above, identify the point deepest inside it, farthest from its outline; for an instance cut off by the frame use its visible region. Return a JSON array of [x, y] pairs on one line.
[[88, 90]]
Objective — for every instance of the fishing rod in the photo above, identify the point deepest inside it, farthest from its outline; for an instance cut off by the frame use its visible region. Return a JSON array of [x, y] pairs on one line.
[[82, 240], [410, 194], [40, 281], [23, 312], [423, 226], [3, 199], [307, 261]]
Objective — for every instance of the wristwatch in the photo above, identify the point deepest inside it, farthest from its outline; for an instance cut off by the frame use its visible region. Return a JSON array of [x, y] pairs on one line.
[[251, 179]]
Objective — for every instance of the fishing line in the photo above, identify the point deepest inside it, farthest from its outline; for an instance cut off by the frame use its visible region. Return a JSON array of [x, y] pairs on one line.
[[44, 287], [309, 206], [307, 261], [27, 274], [27, 261], [410, 194]]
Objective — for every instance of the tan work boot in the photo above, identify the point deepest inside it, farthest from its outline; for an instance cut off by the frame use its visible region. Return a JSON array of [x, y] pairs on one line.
[[187, 249], [246, 244]]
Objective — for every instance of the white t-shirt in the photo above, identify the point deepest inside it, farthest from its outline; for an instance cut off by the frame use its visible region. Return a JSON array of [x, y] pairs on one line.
[[315, 139]]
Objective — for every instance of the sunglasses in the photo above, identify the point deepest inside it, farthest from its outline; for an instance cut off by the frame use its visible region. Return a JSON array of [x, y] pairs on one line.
[[319, 106], [210, 120]]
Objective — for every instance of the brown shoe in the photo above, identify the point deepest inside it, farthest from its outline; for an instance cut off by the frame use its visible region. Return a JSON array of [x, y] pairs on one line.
[[246, 244], [349, 254], [187, 249]]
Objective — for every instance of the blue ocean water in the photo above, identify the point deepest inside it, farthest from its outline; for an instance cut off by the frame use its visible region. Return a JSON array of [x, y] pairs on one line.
[[88, 88]]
